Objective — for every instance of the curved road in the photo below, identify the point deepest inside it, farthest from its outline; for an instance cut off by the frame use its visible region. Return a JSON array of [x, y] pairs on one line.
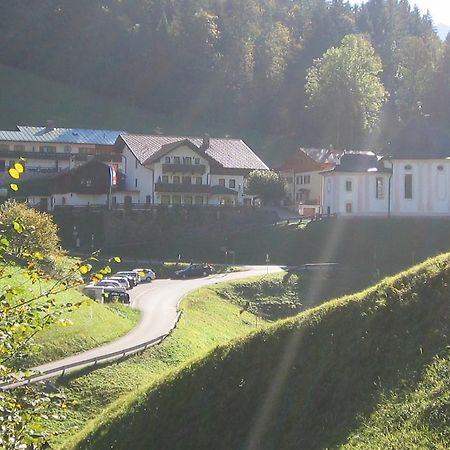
[[158, 302]]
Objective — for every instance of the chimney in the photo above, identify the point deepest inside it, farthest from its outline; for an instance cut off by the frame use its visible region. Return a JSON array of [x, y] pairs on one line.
[[50, 125], [205, 143]]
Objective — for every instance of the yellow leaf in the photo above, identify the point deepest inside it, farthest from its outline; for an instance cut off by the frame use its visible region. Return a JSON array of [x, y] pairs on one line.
[[13, 173], [14, 187], [85, 269], [19, 167]]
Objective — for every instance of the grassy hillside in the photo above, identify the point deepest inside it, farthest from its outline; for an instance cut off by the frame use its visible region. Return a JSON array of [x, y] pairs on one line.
[[319, 380], [211, 317], [91, 325], [27, 99]]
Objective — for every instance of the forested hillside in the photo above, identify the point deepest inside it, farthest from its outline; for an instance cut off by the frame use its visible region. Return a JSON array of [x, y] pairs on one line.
[[251, 63]]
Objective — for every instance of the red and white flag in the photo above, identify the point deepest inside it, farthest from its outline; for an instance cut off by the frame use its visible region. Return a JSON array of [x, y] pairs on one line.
[[114, 170]]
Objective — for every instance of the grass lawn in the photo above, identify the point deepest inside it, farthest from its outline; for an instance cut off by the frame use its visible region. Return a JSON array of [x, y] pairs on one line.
[[91, 325], [369, 370], [209, 319]]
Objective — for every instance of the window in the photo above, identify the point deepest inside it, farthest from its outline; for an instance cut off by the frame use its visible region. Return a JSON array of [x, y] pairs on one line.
[[408, 167], [176, 179], [289, 180], [4, 147], [348, 186], [135, 163], [199, 199], [301, 179], [47, 149], [348, 208], [165, 179], [198, 180], [114, 200], [67, 149], [135, 183], [148, 199], [298, 179], [127, 200], [196, 161], [176, 160], [307, 179], [232, 183], [187, 160], [19, 148], [2, 166], [408, 186], [187, 180], [165, 199], [187, 200], [176, 199], [167, 159], [85, 150], [63, 201], [379, 187], [221, 181]]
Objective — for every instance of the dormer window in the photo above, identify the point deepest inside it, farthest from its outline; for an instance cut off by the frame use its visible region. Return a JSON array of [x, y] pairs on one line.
[[196, 161], [176, 160], [167, 159], [187, 160]]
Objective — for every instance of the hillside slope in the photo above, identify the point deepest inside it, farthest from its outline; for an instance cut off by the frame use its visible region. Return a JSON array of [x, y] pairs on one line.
[[27, 99], [307, 382]]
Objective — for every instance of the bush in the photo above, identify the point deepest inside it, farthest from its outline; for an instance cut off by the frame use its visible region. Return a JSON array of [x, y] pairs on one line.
[[29, 231]]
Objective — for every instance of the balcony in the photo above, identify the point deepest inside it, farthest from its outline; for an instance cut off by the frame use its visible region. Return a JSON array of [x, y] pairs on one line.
[[189, 188], [194, 189], [184, 168], [11, 154]]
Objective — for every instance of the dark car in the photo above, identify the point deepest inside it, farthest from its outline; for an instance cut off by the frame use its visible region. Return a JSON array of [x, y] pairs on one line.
[[116, 296], [194, 270]]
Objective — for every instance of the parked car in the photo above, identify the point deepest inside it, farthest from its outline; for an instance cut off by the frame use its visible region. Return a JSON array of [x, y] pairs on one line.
[[110, 283], [194, 270], [145, 274], [129, 274], [96, 292], [124, 281], [110, 295]]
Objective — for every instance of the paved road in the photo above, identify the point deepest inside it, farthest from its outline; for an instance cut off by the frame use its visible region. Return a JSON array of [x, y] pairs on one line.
[[158, 302]]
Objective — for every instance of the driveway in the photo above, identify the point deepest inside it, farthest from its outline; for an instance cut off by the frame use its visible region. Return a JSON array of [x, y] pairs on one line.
[[158, 302]]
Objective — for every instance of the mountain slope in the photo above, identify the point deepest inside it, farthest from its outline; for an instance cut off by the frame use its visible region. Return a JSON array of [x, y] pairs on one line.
[[306, 382]]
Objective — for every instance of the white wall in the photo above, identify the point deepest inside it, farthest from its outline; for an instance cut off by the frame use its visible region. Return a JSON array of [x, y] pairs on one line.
[[430, 188], [362, 197]]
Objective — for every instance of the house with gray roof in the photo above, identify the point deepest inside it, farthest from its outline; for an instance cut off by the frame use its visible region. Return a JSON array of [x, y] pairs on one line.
[[183, 170], [48, 149]]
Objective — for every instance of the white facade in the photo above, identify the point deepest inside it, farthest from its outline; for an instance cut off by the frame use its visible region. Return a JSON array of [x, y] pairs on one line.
[[48, 157], [418, 188], [180, 177], [355, 194], [421, 187]]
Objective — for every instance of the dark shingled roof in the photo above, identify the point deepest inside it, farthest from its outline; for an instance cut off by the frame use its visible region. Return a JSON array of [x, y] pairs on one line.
[[360, 162], [228, 153]]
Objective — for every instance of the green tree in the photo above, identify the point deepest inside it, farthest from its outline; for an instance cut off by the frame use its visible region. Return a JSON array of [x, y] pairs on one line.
[[345, 92], [418, 60], [266, 184]]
